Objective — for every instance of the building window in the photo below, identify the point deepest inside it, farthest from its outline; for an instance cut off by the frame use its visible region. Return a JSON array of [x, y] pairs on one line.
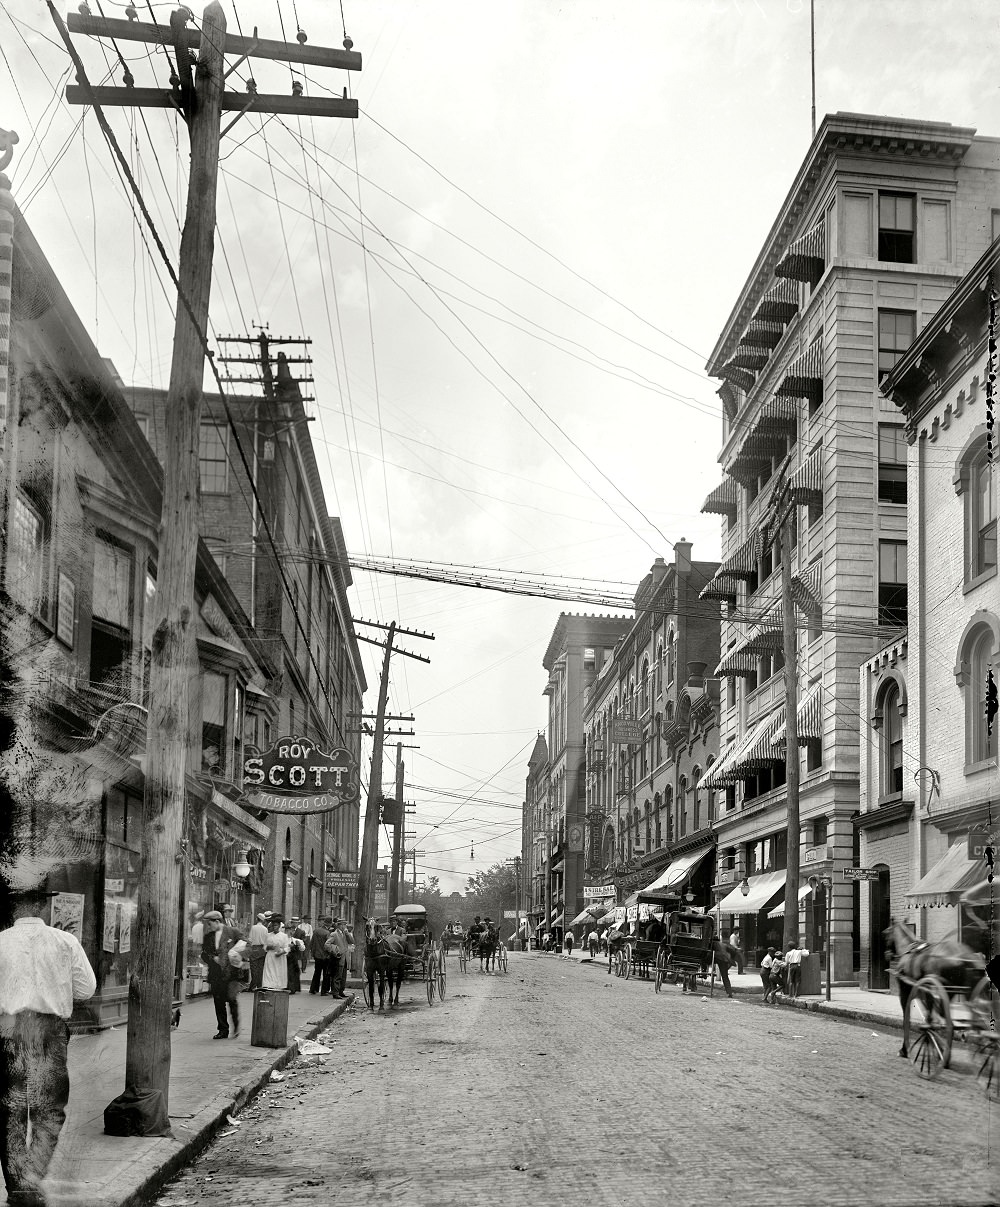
[[659, 668], [891, 463], [820, 829], [984, 516], [983, 657], [213, 722], [111, 616], [213, 459], [892, 583], [895, 227], [891, 754], [896, 331], [215, 547], [26, 555], [590, 659], [671, 656]]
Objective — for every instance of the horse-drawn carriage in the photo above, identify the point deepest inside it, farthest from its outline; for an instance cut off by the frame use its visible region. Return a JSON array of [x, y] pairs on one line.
[[945, 992], [400, 949], [687, 951], [483, 942]]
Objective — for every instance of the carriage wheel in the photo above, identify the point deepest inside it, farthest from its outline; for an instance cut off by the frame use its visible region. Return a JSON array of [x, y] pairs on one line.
[[661, 973], [927, 1027], [442, 980], [984, 1005], [463, 959], [502, 959], [429, 981], [627, 961]]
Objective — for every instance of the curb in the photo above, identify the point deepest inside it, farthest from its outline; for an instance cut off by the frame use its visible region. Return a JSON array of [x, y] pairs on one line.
[[204, 1126]]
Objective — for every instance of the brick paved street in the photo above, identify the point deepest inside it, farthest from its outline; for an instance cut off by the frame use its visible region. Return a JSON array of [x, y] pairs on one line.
[[556, 1084]]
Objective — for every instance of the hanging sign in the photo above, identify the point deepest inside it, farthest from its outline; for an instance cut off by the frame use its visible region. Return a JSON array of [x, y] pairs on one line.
[[297, 776], [626, 732]]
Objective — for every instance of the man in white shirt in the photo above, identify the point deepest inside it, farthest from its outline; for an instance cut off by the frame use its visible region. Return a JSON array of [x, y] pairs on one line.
[[794, 961], [256, 951], [42, 972]]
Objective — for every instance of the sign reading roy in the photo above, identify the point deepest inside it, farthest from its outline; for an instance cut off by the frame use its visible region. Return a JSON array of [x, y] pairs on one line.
[[297, 776]]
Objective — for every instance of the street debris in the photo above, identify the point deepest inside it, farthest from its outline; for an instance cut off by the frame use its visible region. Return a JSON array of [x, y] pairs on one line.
[[276, 1076]]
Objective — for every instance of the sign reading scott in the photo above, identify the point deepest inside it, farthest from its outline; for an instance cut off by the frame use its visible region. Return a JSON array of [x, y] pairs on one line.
[[296, 776]]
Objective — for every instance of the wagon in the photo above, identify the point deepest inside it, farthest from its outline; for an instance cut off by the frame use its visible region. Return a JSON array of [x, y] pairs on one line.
[[687, 951], [936, 1013], [424, 959]]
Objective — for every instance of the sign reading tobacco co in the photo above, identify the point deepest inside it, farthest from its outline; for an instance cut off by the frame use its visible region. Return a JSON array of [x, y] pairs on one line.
[[296, 776]]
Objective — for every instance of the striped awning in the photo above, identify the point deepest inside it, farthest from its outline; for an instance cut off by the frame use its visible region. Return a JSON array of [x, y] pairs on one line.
[[804, 376], [761, 334], [776, 421], [780, 303], [805, 257], [949, 879], [739, 663], [807, 588], [810, 720], [745, 755], [752, 359], [722, 500], [738, 376], [722, 586], [741, 564], [581, 917], [805, 485], [767, 633], [779, 911], [762, 889]]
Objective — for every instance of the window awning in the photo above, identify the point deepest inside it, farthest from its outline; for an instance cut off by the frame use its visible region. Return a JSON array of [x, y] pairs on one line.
[[720, 586], [737, 375], [780, 303], [762, 889], [558, 919], [805, 257], [807, 588], [775, 422], [985, 893], [723, 500], [779, 911], [949, 878], [805, 485], [744, 755], [804, 376], [761, 334], [767, 633], [752, 359], [676, 874], [581, 917], [739, 663], [809, 715], [740, 564]]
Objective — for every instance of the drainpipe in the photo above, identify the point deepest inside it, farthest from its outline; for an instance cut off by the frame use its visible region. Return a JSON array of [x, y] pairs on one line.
[[919, 645]]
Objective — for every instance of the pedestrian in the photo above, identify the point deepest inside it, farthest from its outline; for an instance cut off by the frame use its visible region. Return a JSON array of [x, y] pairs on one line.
[[735, 951], [307, 929], [42, 972], [569, 942], [224, 987], [592, 942], [765, 972], [777, 976], [321, 959], [794, 972], [336, 947], [278, 945], [720, 953], [295, 949], [257, 950]]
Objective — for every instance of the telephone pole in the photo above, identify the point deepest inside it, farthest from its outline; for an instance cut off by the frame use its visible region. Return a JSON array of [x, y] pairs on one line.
[[397, 831], [198, 93], [791, 732]]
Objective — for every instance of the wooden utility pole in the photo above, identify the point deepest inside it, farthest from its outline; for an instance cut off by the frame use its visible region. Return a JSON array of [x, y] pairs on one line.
[[197, 91], [397, 831], [791, 732]]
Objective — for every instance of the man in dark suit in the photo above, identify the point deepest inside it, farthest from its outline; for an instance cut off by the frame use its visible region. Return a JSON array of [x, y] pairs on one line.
[[223, 980], [321, 979]]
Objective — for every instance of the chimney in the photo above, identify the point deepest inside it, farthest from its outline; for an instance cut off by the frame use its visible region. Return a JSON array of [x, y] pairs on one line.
[[658, 570], [682, 556]]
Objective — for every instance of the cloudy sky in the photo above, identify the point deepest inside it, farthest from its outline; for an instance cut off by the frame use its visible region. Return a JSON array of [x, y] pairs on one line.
[[512, 266]]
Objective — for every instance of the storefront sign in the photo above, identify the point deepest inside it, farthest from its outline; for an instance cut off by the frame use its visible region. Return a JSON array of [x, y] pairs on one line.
[[215, 618], [347, 881], [597, 892], [980, 838], [626, 732], [381, 903], [296, 776], [114, 886], [860, 874]]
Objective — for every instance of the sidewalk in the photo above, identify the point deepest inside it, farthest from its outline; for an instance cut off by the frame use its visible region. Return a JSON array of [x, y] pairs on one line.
[[847, 1001], [209, 1079]]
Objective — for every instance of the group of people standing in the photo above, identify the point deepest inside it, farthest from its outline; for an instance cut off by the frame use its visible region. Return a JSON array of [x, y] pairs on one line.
[[781, 972], [274, 956]]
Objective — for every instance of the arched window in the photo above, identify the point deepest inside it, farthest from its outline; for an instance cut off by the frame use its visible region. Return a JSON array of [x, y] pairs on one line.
[[695, 799], [671, 656], [657, 740], [977, 481], [682, 788], [668, 810], [659, 668], [656, 814], [648, 827], [979, 652], [891, 753]]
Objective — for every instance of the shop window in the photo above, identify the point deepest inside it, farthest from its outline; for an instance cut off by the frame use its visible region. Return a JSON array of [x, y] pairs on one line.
[[213, 459], [896, 331], [896, 227], [892, 583], [891, 463], [213, 722]]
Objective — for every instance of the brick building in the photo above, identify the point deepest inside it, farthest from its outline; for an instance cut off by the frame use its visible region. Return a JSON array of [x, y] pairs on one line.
[[883, 219], [938, 772], [298, 604], [534, 843], [645, 805]]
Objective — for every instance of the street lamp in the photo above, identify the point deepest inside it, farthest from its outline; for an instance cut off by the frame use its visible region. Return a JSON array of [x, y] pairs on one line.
[[827, 884], [745, 886], [241, 868]]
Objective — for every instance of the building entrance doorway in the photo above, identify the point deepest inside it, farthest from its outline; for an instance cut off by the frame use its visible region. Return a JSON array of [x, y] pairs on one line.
[[880, 912]]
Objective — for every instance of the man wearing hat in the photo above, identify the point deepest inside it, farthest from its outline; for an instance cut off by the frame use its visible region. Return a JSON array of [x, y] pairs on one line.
[[257, 950], [223, 981], [336, 949], [42, 972], [321, 983]]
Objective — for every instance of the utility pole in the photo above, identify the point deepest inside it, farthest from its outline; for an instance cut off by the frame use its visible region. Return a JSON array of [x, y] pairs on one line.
[[198, 92], [791, 732], [397, 831]]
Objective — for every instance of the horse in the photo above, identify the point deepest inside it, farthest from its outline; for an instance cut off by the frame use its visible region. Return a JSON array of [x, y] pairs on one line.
[[384, 954], [953, 962], [486, 947]]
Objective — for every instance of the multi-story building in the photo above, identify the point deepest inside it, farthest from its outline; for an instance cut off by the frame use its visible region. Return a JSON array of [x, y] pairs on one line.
[[930, 800], [534, 836], [298, 604], [81, 497], [883, 219], [579, 645], [645, 805]]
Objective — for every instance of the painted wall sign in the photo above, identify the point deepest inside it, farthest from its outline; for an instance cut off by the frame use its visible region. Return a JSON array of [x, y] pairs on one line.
[[297, 776], [626, 732]]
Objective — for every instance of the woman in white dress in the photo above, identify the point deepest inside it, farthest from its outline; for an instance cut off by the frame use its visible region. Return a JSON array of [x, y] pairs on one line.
[[277, 946]]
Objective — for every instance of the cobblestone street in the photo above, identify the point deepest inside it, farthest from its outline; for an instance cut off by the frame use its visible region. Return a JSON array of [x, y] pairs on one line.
[[556, 1084]]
